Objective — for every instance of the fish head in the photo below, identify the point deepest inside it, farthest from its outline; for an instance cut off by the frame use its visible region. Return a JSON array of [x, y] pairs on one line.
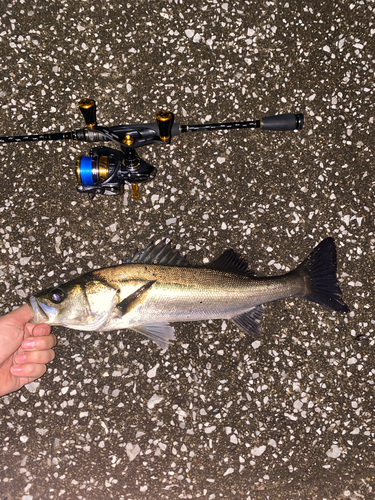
[[62, 305], [81, 303]]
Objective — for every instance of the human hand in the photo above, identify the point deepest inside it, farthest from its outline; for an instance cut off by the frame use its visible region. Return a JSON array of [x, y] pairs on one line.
[[24, 349]]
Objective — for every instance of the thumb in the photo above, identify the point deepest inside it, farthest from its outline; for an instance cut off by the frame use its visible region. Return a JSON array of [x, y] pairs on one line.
[[21, 315]]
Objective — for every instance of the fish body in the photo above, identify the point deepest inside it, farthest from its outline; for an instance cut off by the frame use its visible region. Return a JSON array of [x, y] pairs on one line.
[[158, 287]]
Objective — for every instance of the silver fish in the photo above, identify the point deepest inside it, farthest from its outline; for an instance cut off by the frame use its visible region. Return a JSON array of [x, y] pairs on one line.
[[158, 287]]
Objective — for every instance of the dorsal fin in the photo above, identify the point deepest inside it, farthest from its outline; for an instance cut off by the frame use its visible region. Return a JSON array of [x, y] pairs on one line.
[[231, 262], [160, 253]]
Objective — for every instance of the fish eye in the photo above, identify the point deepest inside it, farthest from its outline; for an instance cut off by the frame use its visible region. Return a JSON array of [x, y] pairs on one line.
[[57, 295]]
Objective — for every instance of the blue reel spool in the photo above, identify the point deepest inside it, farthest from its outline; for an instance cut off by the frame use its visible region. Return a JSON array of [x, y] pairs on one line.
[[84, 170]]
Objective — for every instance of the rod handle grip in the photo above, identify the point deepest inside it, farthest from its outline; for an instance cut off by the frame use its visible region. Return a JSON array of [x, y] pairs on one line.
[[287, 121]]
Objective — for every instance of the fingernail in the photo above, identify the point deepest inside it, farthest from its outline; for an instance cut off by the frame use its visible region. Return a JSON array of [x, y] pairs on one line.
[[28, 344], [40, 331], [15, 369]]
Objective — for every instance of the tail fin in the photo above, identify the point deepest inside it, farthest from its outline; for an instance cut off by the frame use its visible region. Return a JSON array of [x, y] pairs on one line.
[[320, 270]]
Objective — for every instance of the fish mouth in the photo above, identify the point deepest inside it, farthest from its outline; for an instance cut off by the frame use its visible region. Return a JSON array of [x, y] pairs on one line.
[[40, 315]]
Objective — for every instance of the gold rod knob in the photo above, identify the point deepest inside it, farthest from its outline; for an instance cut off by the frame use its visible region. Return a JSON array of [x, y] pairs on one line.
[[88, 109]]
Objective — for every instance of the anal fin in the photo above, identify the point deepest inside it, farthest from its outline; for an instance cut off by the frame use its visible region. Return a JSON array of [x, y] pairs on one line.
[[250, 322], [161, 333]]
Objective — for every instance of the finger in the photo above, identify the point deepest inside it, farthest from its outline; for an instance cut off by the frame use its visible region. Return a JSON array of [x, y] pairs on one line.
[[39, 343], [37, 357], [31, 371], [23, 314], [39, 330]]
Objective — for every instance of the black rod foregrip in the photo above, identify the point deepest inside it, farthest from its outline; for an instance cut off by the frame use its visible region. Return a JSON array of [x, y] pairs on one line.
[[287, 121]]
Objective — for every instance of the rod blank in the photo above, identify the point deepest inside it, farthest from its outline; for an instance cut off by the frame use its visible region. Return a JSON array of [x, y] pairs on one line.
[[59, 136]]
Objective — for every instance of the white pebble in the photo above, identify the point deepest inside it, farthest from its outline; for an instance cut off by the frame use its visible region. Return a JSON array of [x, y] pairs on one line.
[[334, 451], [154, 400], [258, 451], [32, 387], [151, 373], [355, 431], [24, 260], [132, 451]]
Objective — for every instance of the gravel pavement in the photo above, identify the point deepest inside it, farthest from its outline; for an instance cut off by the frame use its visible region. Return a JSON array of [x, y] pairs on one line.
[[219, 415]]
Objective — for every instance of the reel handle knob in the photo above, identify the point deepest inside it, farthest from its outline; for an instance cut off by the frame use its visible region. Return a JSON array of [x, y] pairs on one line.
[[88, 109], [135, 191], [165, 121]]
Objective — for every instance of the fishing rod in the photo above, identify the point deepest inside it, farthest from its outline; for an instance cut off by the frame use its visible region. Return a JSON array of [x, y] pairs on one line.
[[106, 170]]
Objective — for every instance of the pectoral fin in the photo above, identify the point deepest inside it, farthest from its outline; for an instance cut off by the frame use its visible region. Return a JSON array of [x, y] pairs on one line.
[[161, 333], [250, 322], [125, 305]]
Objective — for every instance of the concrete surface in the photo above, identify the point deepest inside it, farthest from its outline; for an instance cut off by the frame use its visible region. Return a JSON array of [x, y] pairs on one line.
[[289, 416]]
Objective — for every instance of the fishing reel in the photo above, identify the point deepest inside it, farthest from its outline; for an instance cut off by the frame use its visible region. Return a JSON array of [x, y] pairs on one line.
[[106, 170]]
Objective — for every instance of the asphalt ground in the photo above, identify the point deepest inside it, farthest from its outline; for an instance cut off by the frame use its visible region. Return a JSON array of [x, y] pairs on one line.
[[219, 415]]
